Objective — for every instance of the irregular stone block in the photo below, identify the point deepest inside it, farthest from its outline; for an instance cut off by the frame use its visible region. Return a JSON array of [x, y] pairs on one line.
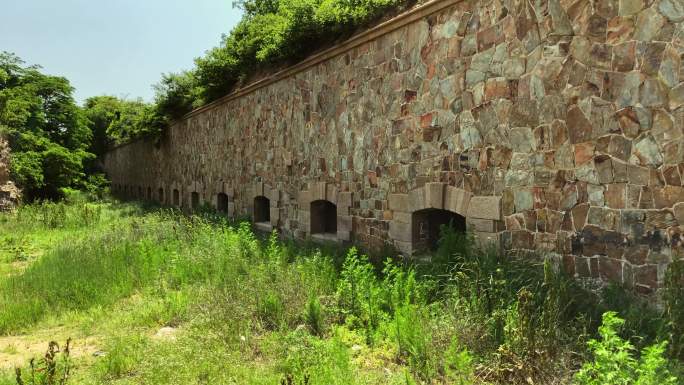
[[679, 213], [457, 200], [485, 207], [399, 202], [417, 200], [304, 200], [484, 225], [401, 231], [434, 195]]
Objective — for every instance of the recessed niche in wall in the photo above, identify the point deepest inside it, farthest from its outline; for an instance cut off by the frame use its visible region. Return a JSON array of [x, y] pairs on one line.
[[427, 224], [222, 203], [194, 200], [176, 198], [323, 220]]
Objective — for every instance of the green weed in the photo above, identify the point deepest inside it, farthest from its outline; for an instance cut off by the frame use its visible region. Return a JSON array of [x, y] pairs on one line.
[[615, 360]]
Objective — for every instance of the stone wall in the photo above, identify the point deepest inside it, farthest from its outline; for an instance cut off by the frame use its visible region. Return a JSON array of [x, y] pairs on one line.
[[552, 126], [9, 193]]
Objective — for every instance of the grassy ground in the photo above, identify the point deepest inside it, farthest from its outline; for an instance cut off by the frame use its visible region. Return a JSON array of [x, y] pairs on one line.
[[150, 296]]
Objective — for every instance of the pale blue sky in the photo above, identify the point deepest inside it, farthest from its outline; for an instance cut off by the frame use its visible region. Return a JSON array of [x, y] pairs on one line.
[[113, 47]]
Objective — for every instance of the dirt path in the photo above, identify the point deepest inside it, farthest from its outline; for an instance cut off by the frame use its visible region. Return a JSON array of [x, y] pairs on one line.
[[16, 351]]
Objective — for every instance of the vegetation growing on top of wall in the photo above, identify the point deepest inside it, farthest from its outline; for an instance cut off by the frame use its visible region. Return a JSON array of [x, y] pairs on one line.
[[271, 33]]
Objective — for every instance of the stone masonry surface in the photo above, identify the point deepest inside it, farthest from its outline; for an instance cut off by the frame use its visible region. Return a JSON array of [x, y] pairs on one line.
[[552, 126]]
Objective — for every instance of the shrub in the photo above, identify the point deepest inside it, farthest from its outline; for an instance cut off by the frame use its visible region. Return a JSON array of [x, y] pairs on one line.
[[615, 362], [314, 315], [53, 369], [459, 364], [412, 334]]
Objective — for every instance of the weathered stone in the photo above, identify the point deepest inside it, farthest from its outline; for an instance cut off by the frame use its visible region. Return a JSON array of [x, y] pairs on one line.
[[648, 25], [456, 200], [673, 10], [676, 96], [630, 7], [679, 213], [624, 57], [434, 195], [669, 67], [579, 215], [647, 153], [565, 117], [579, 127], [667, 196], [399, 202], [485, 207], [653, 93], [584, 152], [616, 195], [620, 29]]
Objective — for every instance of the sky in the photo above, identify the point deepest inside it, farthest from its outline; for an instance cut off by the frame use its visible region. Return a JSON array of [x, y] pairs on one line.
[[113, 47]]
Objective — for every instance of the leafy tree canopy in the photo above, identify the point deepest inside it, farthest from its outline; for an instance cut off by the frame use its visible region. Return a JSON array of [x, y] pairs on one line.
[[271, 33], [48, 132]]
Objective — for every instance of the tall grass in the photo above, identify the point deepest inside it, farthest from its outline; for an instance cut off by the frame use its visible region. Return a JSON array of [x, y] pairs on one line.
[[259, 310]]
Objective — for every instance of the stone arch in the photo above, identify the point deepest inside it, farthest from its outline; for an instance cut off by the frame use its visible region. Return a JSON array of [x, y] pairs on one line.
[[308, 210], [149, 193], [262, 210], [436, 202], [196, 197], [160, 195], [223, 198], [264, 205], [323, 218], [426, 226]]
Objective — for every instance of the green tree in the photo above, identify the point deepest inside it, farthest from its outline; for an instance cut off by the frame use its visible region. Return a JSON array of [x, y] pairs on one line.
[[48, 132]]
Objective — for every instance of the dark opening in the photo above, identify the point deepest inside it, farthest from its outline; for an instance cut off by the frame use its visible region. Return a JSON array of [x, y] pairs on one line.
[[176, 198], [160, 195], [194, 200], [140, 192], [222, 203], [149, 193], [323, 217], [427, 224], [262, 209]]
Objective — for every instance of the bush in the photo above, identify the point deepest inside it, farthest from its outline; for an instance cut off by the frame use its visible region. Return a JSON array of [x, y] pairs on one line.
[[615, 360], [271, 33]]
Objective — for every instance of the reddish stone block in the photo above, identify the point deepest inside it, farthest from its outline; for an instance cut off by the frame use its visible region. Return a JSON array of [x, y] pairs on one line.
[[610, 269], [584, 152], [616, 195]]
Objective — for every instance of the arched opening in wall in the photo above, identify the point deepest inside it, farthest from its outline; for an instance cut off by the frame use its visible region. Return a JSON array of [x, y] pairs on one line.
[[427, 225], [194, 200], [324, 219], [176, 197], [160, 195], [262, 210], [149, 193], [222, 203], [140, 192]]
